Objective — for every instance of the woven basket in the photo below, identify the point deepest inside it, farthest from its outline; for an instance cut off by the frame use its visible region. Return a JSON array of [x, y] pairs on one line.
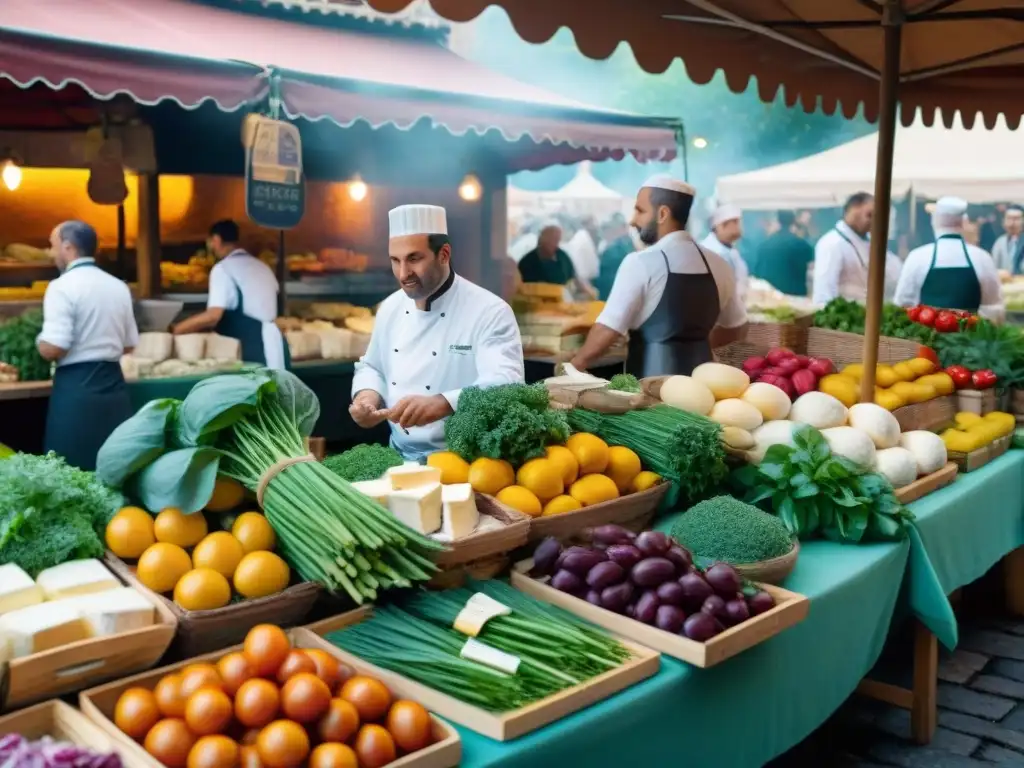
[[931, 416], [201, 632], [790, 335], [736, 354], [845, 348], [772, 571], [633, 511], [489, 543]]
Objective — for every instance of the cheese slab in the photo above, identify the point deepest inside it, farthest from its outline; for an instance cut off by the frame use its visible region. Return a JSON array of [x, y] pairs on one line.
[[116, 611], [74, 578], [378, 490], [419, 507], [459, 515], [413, 475], [41, 627], [17, 590]]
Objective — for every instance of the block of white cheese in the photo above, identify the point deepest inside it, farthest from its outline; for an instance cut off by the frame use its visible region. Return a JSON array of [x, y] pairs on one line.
[[155, 346], [17, 590], [378, 489], [459, 514], [115, 611], [409, 476], [222, 347], [74, 578], [44, 626], [419, 507]]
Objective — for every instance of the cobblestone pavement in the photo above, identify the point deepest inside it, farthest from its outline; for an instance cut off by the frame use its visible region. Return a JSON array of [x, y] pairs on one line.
[[981, 714]]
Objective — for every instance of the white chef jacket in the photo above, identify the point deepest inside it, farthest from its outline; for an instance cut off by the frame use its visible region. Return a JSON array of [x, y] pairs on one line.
[[90, 314], [258, 286], [583, 253], [841, 267], [731, 255], [1004, 250], [641, 279], [466, 336], [950, 253]]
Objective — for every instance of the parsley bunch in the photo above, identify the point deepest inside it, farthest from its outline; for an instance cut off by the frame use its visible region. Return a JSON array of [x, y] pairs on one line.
[[363, 462]]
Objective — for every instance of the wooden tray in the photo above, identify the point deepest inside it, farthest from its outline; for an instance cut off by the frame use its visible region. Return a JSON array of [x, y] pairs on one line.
[[931, 416], [205, 631], [976, 401], [98, 705], [968, 462], [634, 511], [503, 726], [927, 484], [791, 608], [62, 722], [483, 544], [70, 668]]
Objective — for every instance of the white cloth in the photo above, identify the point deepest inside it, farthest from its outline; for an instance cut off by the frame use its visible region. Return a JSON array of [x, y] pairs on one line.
[[731, 255], [583, 253], [417, 220], [258, 286], [522, 246], [468, 337], [641, 279], [90, 314], [841, 267], [950, 253], [1004, 250]]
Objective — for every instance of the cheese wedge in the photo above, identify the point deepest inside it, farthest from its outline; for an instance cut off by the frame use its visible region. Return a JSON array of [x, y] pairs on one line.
[[17, 590], [41, 627], [413, 475], [419, 508], [378, 490], [115, 611], [459, 515], [74, 578]]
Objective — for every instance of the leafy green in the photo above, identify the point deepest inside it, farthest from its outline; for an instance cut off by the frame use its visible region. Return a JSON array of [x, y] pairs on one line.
[[998, 347], [137, 442], [182, 479], [51, 512], [845, 315], [624, 382], [510, 421], [298, 401], [218, 402], [727, 529], [364, 462], [816, 493], [18, 345]]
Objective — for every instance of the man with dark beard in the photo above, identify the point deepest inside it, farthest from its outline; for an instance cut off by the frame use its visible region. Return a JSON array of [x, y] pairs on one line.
[[675, 300], [436, 335]]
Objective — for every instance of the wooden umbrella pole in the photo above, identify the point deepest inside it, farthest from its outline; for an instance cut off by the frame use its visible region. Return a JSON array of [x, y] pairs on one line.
[[887, 97]]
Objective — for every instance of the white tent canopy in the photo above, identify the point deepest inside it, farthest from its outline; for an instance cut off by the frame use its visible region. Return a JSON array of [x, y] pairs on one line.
[[980, 166]]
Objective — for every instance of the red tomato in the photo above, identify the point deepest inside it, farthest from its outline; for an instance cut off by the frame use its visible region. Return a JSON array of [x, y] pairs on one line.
[[926, 316], [972, 321], [947, 322], [984, 379], [961, 376], [928, 354], [914, 313]]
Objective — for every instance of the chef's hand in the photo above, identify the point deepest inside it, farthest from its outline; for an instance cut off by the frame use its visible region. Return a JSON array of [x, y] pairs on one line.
[[419, 410], [365, 410]]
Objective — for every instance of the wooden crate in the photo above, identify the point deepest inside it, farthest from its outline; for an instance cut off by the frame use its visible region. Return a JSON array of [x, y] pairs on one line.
[[932, 416], [968, 462], [98, 705], [928, 484], [62, 722], [69, 668], [790, 608], [634, 511], [977, 401], [501, 726]]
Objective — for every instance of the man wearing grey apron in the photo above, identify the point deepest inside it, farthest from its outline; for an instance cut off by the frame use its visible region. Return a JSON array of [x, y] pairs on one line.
[[88, 324], [675, 300]]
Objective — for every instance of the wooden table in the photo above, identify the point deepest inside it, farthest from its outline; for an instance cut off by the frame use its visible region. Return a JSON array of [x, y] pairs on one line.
[[24, 390]]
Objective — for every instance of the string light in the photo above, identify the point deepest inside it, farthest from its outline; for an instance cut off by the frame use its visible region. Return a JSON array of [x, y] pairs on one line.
[[11, 175], [700, 142], [357, 189], [469, 189]]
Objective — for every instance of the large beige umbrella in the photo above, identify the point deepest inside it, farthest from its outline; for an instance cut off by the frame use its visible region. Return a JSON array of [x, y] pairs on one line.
[[946, 55]]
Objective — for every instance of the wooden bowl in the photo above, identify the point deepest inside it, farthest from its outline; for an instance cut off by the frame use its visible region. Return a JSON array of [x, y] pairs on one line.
[[773, 571]]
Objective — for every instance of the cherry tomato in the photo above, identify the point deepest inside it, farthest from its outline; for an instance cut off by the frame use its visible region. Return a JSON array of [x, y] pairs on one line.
[[946, 322], [984, 379], [928, 354], [961, 376], [913, 313], [926, 316]]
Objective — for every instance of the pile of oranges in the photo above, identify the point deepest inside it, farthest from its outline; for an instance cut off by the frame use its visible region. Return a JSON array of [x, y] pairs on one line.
[[272, 706]]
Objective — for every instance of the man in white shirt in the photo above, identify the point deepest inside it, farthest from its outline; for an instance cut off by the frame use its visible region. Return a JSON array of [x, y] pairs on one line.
[[88, 324], [726, 231], [438, 334], [675, 300], [242, 301], [1008, 250], [951, 273], [842, 254], [582, 249]]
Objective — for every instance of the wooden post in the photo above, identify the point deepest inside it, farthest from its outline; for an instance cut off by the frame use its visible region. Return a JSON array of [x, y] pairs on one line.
[[892, 20], [924, 714], [147, 243]]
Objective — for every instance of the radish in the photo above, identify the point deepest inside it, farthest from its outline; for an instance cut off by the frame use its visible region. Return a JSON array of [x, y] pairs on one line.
[[778, 354], [821, 366]]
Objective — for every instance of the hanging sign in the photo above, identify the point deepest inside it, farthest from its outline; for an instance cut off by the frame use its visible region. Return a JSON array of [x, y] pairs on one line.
[[275, 191]]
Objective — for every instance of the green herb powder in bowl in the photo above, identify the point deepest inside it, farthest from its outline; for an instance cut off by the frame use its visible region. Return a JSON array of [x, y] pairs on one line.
[[727, 529]]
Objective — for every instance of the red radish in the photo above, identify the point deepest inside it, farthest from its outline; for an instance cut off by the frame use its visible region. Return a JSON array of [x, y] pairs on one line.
[[773, 370], [777, 355], [821, 366], [754, 365], [804, 381], [804, 360], [789, 366], [781, 382]]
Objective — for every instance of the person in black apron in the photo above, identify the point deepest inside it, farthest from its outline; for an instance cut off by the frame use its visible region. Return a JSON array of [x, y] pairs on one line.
[[89, 398], [249, 332], [952, 287]]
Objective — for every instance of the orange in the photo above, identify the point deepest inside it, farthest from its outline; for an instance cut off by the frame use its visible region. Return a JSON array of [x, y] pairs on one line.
[[490, 475], [220, 552], [521, 499], [260, 574], [175, 527], [253, 532], [590, 451], [560, 505], [454, 469], [162, 565], [227, 494], [623, 466], [202, 590], [566, 462], [542, 477], [129, 533]]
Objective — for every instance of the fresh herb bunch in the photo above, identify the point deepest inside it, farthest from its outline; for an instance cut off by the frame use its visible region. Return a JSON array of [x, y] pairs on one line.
[[510, 421], [726, 529], [816, 493], [624, 382], [845, 315], [363, 462], [51, 512], [986, 345], [18, 345]]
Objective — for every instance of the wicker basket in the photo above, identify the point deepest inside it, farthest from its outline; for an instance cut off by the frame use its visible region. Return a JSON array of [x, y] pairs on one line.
[[201, 632], [633, 511], [481, 545], [790, 335], [736, 354], [845, 348], [772, 571], [931, 416]]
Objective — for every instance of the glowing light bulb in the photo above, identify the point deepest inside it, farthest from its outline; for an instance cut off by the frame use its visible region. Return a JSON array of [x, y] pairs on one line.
[[11, 175], [357, 189], [469, 189], [700, 142]]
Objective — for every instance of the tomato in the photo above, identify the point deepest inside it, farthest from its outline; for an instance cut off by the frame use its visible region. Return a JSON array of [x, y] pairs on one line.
[[370, 697], [333, 756], [409, 725], [375, 747], [248, 757], [256, 703], [984, 379], [196, 676], [208, 711], [928, 354], [946, 322], [339, 723], [266, 647], [972, 321], [213, 752], [136, 712], [170, 741], [234, 669], [961, 376], [169, 697], [294, 663], [327, 667], [926, 316], [283, 744], [914, 313], [305, 698]]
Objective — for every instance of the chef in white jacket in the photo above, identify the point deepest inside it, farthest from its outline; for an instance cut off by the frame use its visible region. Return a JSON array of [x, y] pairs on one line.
[[951, 273], [842, 254], [726, 230], [435, 336]]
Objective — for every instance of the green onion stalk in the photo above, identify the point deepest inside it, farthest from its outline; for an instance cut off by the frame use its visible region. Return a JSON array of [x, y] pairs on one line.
[[328, 531]]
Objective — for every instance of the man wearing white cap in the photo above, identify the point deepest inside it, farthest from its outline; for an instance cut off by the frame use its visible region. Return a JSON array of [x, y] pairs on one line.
[[1008, 251], [726, 230], [842, 254], [437, 335], [675, 300], [950, 273]]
